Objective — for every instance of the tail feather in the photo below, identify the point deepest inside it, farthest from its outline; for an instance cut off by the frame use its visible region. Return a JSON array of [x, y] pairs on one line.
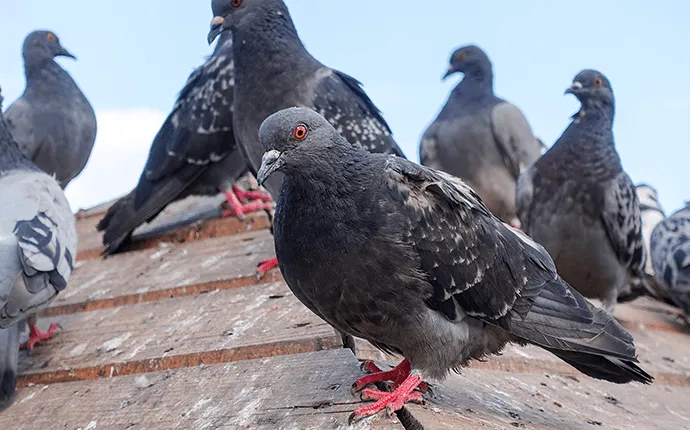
[[9, 356], [603, 367]]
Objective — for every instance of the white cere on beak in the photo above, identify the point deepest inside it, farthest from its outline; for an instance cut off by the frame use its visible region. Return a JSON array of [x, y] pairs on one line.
[[577, 85]]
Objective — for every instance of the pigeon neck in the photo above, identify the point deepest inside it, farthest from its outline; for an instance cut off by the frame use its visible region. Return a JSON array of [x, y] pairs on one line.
[[595, 111], [328, 170], [224, 42], [47, 75], [476, 83]]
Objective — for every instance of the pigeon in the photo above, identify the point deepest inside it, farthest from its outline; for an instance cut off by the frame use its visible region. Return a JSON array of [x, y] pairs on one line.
[[670, 255], [651, 214], [273, 71], [193, 153], [479, 137], [410, 259], [578, 202], [53, 122], [38, 242]]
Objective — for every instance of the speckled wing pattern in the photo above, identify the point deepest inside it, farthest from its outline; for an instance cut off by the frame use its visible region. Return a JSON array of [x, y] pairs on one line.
[[623, 225], [342, 101]]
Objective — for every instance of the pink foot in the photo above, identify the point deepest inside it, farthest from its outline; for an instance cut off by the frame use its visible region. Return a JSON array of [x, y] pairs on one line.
[[250, 195], [396, 376], [238, 209], [36, 335], [391, 402], [265, 266]]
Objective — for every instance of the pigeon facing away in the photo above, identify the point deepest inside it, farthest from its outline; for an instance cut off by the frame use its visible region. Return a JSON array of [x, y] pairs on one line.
[[273, 71], [193, 153], [670, 254], [38, 241], [410, 259], [578, 202], [651, 214], [480, 137], [53, 123]]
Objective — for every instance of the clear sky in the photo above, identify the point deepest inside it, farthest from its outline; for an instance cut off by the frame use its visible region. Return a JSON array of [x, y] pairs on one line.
[[135, 55]]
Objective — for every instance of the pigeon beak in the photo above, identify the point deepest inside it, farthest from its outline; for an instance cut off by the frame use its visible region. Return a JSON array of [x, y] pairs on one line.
[[65, 53], [216, 28], [574, 89], [271, 162], [449, 72]]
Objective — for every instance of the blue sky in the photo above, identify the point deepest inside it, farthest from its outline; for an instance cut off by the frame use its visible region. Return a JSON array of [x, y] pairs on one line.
[[134, 56]]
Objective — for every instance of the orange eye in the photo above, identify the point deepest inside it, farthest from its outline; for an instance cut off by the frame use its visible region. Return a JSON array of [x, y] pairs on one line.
[[461, 56], [236, 3], [51, 37], [300, 132], [598, 82]]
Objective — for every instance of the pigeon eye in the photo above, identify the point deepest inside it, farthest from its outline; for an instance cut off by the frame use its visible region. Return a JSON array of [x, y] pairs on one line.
[[236, 3], [51, 37], [300, 132], [597, 82], [461, 56]]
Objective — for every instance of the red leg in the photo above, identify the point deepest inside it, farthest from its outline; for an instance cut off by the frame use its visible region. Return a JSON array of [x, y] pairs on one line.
[[250, 195], [238, 209], [391, 402], [396, 375], [36, 335], [265, 266]]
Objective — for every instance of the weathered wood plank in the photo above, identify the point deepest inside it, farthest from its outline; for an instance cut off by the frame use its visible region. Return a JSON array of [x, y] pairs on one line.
[[170, 270], [227, 325], [306, 391]]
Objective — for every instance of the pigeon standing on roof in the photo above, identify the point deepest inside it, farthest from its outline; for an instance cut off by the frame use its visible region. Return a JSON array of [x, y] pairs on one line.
[[38, 241], [273, 71], [193, 153], [670, 254], [410, 259], [53, 122], [480, 137], [578, 202]]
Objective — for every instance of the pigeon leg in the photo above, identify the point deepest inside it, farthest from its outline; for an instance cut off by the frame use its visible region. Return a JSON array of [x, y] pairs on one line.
[[391, 402], [265, 266], [250, 195], [239, 209], [36, 335], [396, 375]]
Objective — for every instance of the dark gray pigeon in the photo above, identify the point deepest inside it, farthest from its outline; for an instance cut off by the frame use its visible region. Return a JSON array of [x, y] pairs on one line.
[[670, 254], [193, 153], [578, 202], [410, 259], [480, 137], [38, 240], [273, 71], [52, 122]]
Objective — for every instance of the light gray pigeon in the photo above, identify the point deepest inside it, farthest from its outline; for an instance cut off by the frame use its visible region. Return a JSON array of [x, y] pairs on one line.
[[578, 202], [670, 252], [193, 153], [410, 259], [273, 71], [651, 214], [38, 241], [479, 137], [53, 123]]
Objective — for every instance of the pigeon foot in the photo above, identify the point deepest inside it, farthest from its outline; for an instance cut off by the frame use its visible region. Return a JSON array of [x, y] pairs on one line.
[[396, 376], [391, 402], [36, 335], [265, 266], [234, 197]]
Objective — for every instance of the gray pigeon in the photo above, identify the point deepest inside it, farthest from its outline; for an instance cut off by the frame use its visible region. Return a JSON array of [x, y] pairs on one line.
[[670, 254], [651, 214], [479, 137], [273, 71], [578, 202], [410, 259], [52, 122], [38, 240], [193, 153]]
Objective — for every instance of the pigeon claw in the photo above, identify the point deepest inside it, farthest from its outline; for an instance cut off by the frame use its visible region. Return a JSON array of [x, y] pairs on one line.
[[265, 266], [395, 376], [36, 335], [390, 402], [250, 195], [238, 209]]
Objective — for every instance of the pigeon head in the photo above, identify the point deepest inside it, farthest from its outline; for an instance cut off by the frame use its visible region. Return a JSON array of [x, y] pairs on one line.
[[41, 46], [294, 140], [594, 91], [648, 198], [470, 60], [243, 11]]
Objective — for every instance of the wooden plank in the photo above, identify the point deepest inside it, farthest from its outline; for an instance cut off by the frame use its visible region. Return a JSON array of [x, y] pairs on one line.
[[221, 326], [306, 391], [170, 270], [482, 399]]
